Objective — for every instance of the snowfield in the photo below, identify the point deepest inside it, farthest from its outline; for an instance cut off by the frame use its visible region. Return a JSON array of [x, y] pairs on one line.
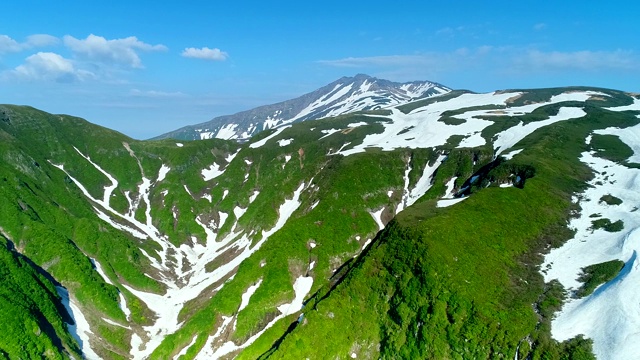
[[610, 315]]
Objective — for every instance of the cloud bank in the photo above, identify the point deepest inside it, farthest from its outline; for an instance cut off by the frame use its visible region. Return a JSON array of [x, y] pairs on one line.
[[116, 51]]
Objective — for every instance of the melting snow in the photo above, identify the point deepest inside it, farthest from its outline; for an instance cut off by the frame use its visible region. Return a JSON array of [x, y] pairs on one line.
[[284, 142], [253, 196], [227, 132], [179, 144], [100, 271], [377, 217], [449, 202], [212, 172], [81, 330], [301, 287], [207, 352], [186, 348], [246, 296], [313, 206], [425, 130], [124, 307], [422, 186], [164, 170], [358, 124], [260, 143], [328, 132], [514, 134], [450, 186], [630, 136], [610, 315], [108, 321], [511, 154], [230, 157]]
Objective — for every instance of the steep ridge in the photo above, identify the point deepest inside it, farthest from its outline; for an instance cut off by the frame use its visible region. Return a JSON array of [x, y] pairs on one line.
[[343, 96], [213, 249]]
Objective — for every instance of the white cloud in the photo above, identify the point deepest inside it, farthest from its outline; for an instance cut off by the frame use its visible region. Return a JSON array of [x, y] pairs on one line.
[[47, 66], [385, 60], [205, 53], [435, 60], [577, 60], [40, 40], [539, 26], [116, 51], [156, 94], [8, 45], [489, 59]]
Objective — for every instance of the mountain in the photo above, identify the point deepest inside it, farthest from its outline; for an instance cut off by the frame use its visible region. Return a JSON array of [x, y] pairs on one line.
[[343, 96], [497, 225]]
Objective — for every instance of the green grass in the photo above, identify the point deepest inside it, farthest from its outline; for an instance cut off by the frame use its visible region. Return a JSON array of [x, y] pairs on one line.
[[607, 225], [432, 286], [610, 200], [610, 147], [594, 275], [32, 317]]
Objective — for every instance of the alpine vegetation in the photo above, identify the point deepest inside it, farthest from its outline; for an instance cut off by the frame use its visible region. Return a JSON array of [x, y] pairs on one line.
[[405, 221]]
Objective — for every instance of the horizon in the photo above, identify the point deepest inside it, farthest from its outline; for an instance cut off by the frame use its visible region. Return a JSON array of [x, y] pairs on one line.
[[144, 70]]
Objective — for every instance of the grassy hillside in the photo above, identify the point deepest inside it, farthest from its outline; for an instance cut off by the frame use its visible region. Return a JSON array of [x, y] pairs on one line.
[[459, 282], [129, 227]]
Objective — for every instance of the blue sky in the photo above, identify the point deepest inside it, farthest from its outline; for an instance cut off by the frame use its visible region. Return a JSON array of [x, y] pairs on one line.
[[147, 67]]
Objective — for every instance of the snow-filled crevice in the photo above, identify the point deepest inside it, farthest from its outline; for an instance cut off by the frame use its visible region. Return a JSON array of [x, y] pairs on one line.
[[181, 285]]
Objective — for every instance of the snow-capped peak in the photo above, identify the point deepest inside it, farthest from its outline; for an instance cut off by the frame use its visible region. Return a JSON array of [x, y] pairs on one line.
[[345, 95]]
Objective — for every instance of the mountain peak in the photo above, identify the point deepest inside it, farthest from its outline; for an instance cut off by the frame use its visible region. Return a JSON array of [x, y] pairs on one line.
[[360, 92]]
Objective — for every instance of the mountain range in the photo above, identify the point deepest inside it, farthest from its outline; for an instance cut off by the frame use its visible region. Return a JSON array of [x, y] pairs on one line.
[[343, 96], [444, 224]]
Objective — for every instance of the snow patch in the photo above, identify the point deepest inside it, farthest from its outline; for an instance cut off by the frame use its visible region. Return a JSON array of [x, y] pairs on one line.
[[328, 132], [377, 217], [301, 287], [449, 202], [260, 143], [511, 154], [253, 196], [227, 132], [162, 174], [212, 172], [246, 296], [508, 138], [284, 142], [186, 348], [450, 186], [610, 315], [81, 331], [100, 271]]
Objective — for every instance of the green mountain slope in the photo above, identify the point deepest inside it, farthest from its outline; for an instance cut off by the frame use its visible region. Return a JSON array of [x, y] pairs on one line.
[[209, 249]]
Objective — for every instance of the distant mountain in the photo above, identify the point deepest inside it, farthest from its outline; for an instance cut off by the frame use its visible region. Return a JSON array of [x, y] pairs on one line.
[[343, 96]]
